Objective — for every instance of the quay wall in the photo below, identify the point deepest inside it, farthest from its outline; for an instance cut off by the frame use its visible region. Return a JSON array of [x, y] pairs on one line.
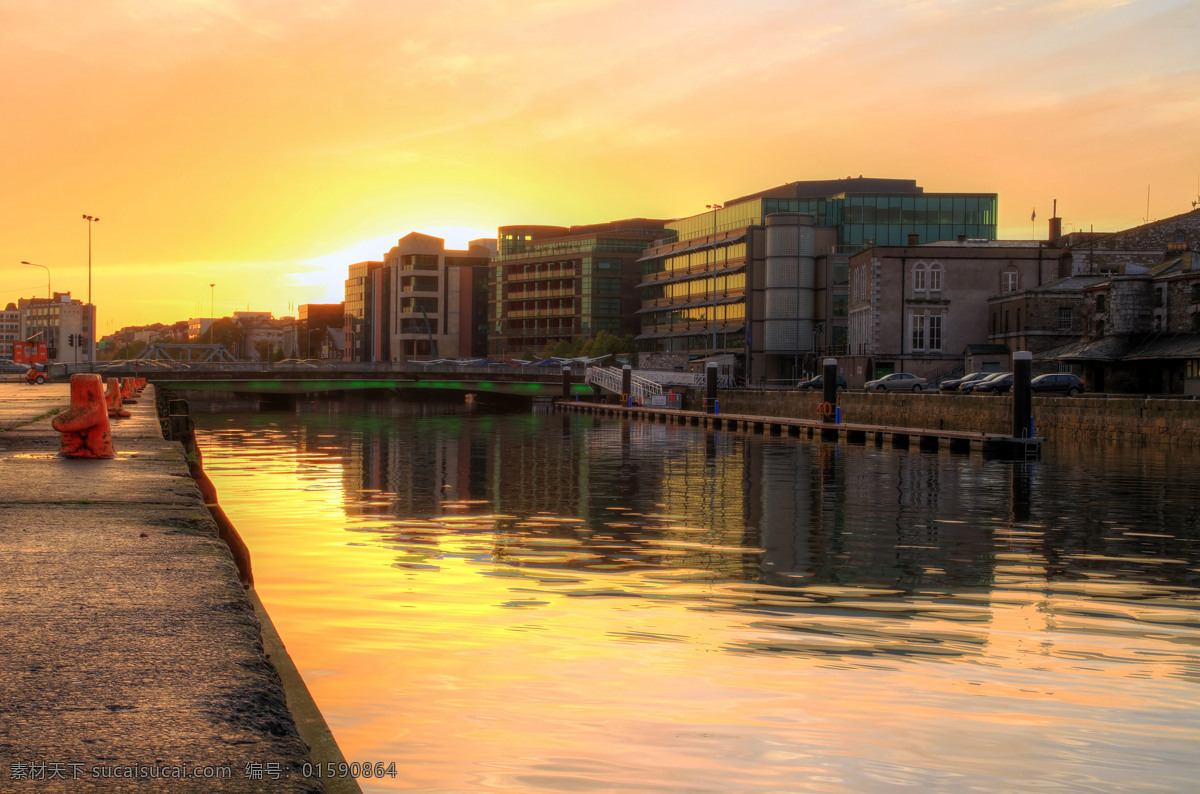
[[1124, 419]]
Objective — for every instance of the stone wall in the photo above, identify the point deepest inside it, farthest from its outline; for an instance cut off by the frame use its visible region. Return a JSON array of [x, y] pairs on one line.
[[1059, 419]]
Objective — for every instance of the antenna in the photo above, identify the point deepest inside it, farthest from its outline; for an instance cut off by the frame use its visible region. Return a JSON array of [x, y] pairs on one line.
[[1146, 219]]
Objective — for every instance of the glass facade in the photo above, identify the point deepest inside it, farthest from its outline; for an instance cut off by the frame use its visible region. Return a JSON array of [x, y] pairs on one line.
[[547, 287], [862, 220], [683, 289]]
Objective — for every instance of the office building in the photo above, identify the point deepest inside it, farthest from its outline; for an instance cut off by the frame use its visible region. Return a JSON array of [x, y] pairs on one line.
[[760, 283], [552, 284]]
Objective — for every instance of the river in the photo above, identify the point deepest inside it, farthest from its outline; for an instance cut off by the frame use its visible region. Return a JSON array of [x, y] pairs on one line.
[[541, 601]]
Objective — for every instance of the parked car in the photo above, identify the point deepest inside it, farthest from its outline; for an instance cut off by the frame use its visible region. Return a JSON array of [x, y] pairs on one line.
[[819, 383], [1057, 382], [975, 384], [999, 384], [955, 384], [10, 366], [897, 381]]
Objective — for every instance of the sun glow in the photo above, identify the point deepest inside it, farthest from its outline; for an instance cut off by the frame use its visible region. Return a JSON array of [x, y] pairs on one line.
[[254, 147]]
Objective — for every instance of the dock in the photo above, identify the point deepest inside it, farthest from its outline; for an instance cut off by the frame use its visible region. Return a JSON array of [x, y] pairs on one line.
[[926, 439], [131, 657]]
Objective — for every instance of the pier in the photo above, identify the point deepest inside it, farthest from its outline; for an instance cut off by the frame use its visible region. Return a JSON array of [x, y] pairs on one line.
[[927, 439], [132, 656]]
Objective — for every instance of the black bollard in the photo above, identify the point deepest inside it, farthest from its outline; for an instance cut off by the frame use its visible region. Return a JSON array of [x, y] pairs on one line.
[[710, 388], [829, 380], [1022, 402]]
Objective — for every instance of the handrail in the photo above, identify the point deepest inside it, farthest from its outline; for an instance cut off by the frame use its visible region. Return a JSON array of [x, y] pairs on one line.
[[612, 379]]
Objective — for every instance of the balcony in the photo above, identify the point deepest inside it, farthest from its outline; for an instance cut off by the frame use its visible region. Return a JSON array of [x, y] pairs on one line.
[[541, 275]]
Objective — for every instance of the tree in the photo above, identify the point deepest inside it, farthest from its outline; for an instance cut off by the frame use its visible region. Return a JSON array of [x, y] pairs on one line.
[[221, 332], [605, 343], [129, 350]]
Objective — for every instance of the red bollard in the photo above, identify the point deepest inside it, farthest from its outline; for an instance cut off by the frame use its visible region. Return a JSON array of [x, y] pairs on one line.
[[128, 392], [84, 426], [112, 398], [139, 384]]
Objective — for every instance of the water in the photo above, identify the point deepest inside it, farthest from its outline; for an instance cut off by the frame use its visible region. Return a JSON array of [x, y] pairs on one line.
[[548, 602]]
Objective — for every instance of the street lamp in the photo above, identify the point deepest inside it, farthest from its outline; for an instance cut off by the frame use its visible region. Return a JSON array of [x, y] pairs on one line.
[[212, 292], [43, 267], [714, 208], [91, 309]]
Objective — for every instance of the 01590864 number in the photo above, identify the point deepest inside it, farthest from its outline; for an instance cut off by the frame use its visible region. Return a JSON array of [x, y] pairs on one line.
[[364, 769]]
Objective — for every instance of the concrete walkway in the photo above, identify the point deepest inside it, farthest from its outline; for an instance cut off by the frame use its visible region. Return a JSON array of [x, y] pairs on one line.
[[127, 646]]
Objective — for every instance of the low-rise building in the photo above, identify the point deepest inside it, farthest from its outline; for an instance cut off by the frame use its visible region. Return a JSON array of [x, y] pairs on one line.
[[313, 325], [915, 308], [10, 330]]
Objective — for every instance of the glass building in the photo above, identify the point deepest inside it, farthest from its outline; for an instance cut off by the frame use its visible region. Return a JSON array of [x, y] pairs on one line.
[[719, 286]]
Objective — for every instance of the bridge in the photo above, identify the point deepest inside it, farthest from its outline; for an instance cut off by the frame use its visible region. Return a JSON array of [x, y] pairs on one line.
[[312, 377]]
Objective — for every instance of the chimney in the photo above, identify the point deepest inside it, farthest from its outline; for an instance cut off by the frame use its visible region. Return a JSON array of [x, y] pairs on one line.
[[914, 238], [1055, 223]]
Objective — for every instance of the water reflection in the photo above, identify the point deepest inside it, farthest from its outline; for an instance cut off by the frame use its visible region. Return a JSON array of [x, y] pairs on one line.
[[553, 602]]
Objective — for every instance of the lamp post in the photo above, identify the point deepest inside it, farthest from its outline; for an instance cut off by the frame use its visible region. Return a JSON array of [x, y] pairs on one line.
[[91, 309], [714, 208], [43, 267]]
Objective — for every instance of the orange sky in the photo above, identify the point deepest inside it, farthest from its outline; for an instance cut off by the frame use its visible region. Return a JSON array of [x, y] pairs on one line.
[[257, 144]]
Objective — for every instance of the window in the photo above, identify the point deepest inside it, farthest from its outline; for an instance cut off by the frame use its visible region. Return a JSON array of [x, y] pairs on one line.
[[1100, 303], [1008, 281], [1196, 293], [935, 332], [919, 278], [840, 306], [1064, 318], [917, 321], [935, 278]]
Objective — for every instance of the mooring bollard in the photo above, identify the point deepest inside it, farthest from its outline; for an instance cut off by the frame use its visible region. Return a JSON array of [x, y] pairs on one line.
[[128, 392], [113, 401], [179, 423], [1022, 402], [710, 388], [84, 426]]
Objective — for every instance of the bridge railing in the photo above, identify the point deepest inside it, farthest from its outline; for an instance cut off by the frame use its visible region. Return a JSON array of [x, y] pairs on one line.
[[316, 369], [611, 379], [692, 380]]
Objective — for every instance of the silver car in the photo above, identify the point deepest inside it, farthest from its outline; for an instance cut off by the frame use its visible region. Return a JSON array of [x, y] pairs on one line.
[[897, 381]]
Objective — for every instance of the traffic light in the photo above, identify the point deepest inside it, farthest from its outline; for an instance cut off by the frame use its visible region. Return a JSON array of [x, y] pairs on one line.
[[71, 340]]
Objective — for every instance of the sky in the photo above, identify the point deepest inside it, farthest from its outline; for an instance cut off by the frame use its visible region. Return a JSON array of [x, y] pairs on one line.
[[240, 155]]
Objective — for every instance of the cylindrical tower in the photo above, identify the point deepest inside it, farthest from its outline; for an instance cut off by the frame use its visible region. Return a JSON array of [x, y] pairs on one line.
[[791, 284]]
